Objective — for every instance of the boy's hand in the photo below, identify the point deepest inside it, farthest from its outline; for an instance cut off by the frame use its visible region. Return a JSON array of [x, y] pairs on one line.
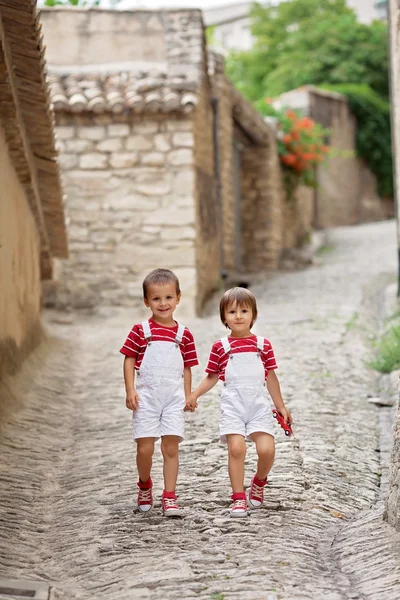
[[191, 403], [132, 400], [286, 415]]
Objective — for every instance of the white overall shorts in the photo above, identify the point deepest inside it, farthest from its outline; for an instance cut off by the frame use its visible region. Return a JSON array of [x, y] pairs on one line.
[[160, 388], [245, 404]]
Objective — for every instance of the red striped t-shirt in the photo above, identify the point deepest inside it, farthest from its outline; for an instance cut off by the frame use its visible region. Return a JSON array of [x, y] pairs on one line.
[[219, 358], [135, 343]]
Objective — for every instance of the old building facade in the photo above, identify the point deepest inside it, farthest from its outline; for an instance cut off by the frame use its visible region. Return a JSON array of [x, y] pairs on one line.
[[164, 162], [32, 228]]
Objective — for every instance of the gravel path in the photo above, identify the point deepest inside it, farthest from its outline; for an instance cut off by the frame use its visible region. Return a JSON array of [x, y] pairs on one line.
[[68, 482]]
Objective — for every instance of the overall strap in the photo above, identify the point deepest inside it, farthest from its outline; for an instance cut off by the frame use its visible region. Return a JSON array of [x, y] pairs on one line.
[[226, 345], [260, 343], [146, 330], [179, 333]]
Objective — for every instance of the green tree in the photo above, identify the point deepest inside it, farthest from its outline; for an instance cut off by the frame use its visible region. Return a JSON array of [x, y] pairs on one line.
[[310, 42]]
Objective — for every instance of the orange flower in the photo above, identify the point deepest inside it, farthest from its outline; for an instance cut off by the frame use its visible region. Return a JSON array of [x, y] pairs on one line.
[[289, 159], [296, 135], [325, 149], [291, 114], [287, 138], [305, 123]]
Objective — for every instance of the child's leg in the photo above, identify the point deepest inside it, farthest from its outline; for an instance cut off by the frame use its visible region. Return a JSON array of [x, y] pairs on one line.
[[265, 446], [170, 452], [236, 455], [144, 457]]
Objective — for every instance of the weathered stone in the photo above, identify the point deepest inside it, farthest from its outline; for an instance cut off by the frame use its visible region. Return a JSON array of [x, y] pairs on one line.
[[180, 157], [94, 160], [139, 142], [171, 217], [183, 139], [155, 159], [153, 189], [118, 130], [110, 145], [95, 132], [65, 132], [123, 160], [145, 127], [162, 142], [180, 125], [68, 161], [78, 146]]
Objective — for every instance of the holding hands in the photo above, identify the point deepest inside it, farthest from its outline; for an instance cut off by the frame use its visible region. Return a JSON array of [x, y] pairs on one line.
[[191, 402]]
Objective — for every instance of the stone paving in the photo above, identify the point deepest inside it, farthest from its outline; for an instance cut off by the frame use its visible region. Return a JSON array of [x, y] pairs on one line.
[[68, 481]]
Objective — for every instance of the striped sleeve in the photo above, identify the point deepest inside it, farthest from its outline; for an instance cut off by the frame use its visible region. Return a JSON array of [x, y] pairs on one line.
[[214, 359], [189, 353], [132, 344], [269, 357]]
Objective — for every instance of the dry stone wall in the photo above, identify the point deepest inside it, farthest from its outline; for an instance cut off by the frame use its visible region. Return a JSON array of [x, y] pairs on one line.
[[130, 205]]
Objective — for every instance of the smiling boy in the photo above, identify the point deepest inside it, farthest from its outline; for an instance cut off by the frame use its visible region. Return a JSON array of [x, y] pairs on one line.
[[159, 354]]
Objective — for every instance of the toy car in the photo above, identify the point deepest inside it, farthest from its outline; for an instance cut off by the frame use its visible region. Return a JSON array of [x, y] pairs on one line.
[[285, 426]]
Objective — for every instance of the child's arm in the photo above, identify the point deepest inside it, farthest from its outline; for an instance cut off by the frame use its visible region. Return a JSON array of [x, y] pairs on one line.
[[205, 386], [132, 398], [275, 392], [187, 381]]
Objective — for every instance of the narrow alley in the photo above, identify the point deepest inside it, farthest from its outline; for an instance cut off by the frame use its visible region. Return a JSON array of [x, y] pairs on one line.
[[67, 466]]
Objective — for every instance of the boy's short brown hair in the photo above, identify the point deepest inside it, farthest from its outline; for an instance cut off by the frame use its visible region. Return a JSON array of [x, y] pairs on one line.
[[160, 277], [238, 296]]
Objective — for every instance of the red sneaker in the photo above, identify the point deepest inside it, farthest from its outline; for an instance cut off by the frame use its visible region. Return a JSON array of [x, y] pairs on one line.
[[169, 505], [256, 493], [239, 506], [145, 496]]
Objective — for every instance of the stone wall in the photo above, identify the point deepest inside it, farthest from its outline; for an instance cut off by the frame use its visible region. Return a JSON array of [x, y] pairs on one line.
[[19, 269], [95, 37], [262, 209], [298, 214], [347, 190], [130, 208], [208, 228]]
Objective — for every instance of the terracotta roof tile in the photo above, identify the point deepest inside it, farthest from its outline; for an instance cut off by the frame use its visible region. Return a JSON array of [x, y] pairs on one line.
[[132, 91]]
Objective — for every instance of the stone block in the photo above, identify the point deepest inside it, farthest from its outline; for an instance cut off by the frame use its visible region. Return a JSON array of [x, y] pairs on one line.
[[181, 157], [178, 233], [183, 182], [171, 216], [78, 146], [162, 142], [118, 130], [95, 132], [157, 188], [110, 145], [155, 159], [183, 139], [180, 125], [135, 202], [93, 160], [65, 132], [145, 127], [68, 161], [123, 160], [139, 142]]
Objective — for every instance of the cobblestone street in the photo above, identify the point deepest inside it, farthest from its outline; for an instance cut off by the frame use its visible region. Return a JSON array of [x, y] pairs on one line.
[[67, 475]]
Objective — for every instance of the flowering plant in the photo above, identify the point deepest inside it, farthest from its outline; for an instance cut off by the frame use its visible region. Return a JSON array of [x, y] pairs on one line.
[[301, 146]]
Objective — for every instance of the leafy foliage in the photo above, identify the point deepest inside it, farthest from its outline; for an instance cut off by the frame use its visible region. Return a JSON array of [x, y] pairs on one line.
[[310, 42]]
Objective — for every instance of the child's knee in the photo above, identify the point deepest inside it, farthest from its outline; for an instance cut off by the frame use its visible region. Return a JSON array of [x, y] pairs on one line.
[[237, 449], [265, 446], [145, 447], [170, 446]]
